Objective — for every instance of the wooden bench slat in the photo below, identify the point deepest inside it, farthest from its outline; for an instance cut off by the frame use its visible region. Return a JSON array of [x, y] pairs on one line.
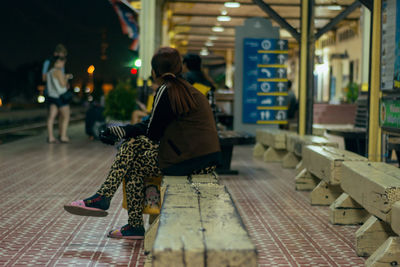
[[306, 140], [199, 226], [326, 162], [201, 178], [274, 138], [179, 215], [228, 244], [395, 220], [374, 185]]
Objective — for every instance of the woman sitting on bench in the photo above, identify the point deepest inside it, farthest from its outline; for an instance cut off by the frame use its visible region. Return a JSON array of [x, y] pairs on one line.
[[179, 138]]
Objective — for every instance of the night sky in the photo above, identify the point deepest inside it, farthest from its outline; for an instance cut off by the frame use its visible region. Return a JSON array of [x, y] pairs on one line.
[[30, 30]]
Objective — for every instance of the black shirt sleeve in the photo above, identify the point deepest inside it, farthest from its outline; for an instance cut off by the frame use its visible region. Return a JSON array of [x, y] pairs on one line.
[[161, 115], [133, 130]]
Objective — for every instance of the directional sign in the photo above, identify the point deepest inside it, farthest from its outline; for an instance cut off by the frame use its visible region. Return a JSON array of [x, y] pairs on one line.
[[272, 58], [269, 73], [271, 100], [271, 116], [280, 115], [265, 80], [269, 87]]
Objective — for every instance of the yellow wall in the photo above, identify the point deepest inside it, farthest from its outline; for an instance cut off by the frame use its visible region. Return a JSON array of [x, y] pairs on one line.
[[340, 67]]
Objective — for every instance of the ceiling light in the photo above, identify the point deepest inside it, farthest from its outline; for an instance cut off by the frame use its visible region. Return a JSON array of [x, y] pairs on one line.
[[224, 12], [217, 29], [208, 43], [224, 18], [204, 52], [213, 38], [232, 4], [334, 7]]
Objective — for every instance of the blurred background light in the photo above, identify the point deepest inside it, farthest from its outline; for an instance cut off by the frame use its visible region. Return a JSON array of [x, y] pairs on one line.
[[41, 99]]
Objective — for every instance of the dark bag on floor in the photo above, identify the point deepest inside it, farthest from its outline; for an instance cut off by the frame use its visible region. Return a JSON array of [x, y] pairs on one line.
[[66, 97]]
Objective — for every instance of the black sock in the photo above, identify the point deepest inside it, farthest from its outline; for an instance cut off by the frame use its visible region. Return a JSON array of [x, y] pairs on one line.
[[129, 230], [97, 201]]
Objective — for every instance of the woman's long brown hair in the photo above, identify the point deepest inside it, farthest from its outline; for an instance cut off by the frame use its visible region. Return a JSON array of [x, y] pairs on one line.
[[167, 66]]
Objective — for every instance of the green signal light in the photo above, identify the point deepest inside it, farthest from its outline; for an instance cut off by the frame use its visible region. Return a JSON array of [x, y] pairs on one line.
[[138, 62]]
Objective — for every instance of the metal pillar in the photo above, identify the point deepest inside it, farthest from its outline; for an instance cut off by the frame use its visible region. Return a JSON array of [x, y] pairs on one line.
[[335, 21], [374, 131], [307, 47], [278, 19], [365, 59]]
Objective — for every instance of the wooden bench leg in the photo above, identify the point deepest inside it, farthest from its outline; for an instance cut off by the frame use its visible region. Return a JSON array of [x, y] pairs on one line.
[[258, 150], [388, 254], [290, 160], [305, 181], [300, 167], [344, 210], [274, 155], [395, 217], [148, 262], [371, 235], [150, 235], [324, 194]]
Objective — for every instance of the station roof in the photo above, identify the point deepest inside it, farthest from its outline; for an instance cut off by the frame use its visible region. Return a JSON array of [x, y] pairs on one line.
[[191, 22]]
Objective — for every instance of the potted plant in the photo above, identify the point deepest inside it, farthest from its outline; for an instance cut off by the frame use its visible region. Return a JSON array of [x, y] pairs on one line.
[[352, 92], [120, 102]]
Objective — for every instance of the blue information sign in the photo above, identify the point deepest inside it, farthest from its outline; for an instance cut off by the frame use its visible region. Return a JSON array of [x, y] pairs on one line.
[[265, 81]]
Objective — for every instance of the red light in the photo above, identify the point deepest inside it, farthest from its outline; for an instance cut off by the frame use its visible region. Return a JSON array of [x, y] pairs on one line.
[[133, 71]]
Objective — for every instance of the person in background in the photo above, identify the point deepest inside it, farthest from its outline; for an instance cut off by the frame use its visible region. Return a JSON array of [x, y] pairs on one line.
[[193, 74], [94, 119], [179, 138], [292, 103], [60, 51], [56, 86], [143, 111]]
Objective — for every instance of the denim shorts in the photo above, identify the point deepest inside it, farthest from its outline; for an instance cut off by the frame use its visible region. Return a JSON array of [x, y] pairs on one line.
[[56, 101]]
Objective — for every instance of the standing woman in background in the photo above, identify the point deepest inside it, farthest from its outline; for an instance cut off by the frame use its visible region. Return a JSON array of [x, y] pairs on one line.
[[57, 82]]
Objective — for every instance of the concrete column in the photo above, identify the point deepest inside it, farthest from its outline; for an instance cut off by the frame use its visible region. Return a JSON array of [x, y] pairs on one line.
[[150, 22], [366, 36]]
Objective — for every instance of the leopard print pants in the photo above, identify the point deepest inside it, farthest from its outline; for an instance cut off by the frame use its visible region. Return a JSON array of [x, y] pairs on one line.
[[136, 159]]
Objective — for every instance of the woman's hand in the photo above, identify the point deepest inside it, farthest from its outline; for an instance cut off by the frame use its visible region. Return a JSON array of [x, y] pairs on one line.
[[69, 76], [112, 135]]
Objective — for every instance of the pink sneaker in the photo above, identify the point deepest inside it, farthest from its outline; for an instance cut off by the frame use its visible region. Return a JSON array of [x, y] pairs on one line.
[[79, 208]]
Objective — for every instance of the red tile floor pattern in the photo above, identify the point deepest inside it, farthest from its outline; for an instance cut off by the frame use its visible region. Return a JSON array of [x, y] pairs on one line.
[[36, 179]]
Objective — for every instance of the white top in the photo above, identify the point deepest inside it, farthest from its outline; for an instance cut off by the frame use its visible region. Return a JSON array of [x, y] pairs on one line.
[[54, 88]]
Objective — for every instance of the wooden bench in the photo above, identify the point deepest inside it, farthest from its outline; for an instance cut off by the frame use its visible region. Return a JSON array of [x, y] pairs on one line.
[[323, 176], [271, 144], [229, 139], [376, 187], [295, 144], [200, 226]]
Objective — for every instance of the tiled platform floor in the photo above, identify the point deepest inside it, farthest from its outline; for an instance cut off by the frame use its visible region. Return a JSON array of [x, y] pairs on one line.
[[36, 179]]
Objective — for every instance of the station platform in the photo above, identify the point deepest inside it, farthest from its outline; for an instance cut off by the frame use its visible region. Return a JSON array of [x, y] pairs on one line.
[[37, 179]]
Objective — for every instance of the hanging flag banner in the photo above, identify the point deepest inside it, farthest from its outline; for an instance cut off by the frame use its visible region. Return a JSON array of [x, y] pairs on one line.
[[128, 18], [265, 81]]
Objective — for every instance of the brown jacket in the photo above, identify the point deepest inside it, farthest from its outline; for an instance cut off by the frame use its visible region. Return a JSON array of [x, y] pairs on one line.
[[190, 137]]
